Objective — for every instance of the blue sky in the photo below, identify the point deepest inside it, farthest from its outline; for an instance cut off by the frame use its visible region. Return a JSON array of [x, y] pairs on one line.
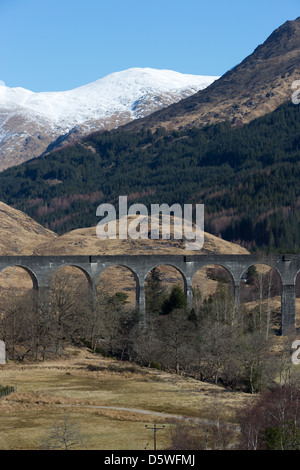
[[53, 45]]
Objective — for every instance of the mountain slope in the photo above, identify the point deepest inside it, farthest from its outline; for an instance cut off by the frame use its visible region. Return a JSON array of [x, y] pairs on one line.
[[30, 122], [258, 85], [247, 177], [20, 234]]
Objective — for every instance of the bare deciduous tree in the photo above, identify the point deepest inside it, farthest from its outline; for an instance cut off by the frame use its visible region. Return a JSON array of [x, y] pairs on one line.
[[64, 434], [273, 422]]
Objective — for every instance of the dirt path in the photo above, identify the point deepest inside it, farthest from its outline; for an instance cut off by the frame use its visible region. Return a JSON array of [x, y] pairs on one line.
[[151, 413]]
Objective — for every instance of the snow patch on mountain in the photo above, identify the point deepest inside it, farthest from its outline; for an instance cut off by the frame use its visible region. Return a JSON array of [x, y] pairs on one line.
[[117, 92], [40, 118]]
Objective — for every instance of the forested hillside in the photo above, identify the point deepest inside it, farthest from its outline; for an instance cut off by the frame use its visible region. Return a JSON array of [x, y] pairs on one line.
[[247, 177]]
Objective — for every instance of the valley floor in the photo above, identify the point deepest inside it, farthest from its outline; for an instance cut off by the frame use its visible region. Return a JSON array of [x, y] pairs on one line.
[[110, 401]]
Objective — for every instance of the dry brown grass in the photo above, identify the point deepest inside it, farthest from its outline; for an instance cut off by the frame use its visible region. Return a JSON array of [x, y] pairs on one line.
[[51, 389], [84, 241], [19, 234]]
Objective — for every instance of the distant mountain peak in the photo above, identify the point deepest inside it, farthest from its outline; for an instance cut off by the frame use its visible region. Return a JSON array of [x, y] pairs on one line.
[[30, 122], [284, 39], [115, 92], [256, 86]]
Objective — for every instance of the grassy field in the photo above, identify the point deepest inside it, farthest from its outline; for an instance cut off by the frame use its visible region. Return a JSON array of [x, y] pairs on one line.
[[78, 383]]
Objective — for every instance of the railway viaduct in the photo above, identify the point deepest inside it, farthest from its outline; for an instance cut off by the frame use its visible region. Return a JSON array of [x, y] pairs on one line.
[[42, 268]]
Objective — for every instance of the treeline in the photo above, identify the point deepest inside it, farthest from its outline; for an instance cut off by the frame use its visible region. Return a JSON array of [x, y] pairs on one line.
[[247, 177], [214, 342]]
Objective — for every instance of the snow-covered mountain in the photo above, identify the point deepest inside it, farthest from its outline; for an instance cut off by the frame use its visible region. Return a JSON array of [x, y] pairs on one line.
[[30, 122]]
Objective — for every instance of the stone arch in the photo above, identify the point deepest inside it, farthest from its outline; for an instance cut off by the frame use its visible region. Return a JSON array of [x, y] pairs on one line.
[[119, 277], [262, 263], [264, 270], [215, 298], [261, 292], [18, 294], [86, 274], [215, 273], [69, 277], [16, 270], [297, 276], [69, 293], [182, 278], [170, 275]]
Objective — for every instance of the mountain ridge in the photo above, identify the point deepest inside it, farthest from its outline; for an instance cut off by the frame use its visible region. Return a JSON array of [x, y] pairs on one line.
[[31, 122], [21, 235], [256, 86]]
